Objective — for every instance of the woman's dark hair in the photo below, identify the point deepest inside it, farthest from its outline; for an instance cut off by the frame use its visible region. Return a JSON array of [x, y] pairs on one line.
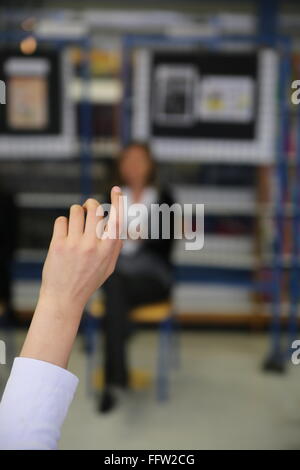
[[148, 154]]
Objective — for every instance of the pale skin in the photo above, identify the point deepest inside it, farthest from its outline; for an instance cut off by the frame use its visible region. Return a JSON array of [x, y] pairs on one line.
[[77, 264]]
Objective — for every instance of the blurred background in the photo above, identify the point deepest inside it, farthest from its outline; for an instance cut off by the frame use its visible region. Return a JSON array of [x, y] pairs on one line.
[[208, 85]]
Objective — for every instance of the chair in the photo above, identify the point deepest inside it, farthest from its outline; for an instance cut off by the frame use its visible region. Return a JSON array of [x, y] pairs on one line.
[[168, 345]]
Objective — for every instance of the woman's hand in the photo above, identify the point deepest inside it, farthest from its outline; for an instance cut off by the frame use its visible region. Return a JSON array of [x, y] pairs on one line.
[[77, 264]]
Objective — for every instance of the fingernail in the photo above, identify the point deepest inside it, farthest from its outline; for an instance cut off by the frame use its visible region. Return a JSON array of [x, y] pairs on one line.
[[116, 189]]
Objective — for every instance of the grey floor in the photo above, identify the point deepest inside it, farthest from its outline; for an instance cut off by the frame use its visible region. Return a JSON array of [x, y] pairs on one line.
[[220, 399]]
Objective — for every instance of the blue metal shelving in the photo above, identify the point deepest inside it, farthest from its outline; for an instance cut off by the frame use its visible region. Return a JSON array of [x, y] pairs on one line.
[[266, 37]]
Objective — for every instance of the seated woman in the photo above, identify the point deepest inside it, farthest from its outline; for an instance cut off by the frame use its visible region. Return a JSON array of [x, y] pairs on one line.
[[143, 273]]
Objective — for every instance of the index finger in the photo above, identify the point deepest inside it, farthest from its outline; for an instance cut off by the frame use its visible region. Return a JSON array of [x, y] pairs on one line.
[[115, 220]]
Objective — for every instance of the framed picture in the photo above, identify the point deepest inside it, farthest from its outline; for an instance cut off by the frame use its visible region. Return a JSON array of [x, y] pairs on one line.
[[174, 98], [38, 118], [216, 106]]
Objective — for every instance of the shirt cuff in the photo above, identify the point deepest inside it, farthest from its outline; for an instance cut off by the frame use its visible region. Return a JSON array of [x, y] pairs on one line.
[[34, 404]]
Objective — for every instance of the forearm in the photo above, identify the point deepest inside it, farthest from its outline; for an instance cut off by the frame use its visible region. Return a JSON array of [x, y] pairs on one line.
[[38, 393], [52, 331]]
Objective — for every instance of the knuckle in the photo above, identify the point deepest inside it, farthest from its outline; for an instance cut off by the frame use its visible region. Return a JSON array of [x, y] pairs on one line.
[[72, 246], [58, 246], [88, 248]]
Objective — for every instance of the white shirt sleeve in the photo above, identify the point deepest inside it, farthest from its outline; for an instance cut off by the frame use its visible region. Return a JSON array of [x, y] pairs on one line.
[[34, 404]]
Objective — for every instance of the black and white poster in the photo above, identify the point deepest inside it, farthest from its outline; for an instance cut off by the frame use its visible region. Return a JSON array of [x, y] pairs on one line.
[[38, 119], [206, 106]]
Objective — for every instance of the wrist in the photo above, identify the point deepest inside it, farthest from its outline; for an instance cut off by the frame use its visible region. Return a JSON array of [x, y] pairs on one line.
[[63, 306], [53, 329]]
